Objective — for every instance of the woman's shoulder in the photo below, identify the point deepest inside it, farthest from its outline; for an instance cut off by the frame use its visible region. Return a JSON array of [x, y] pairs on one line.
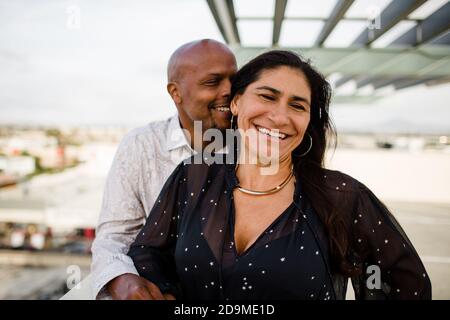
[[347, 190], [351, 195], [341, 182]]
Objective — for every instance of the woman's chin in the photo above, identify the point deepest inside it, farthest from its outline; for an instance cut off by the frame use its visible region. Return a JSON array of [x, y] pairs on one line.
[[261, 157], [264, 161]]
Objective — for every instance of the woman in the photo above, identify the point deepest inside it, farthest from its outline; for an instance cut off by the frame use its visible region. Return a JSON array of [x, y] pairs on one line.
[[227, 231]]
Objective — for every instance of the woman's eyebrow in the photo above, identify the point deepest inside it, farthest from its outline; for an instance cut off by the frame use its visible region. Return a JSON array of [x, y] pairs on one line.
[[273, 90]]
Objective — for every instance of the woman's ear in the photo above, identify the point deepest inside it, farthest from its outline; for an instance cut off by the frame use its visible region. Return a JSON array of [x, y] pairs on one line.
[[234, 105], [172, 89]]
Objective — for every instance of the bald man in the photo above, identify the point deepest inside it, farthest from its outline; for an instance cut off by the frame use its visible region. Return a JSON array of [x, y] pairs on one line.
[[199, 79]]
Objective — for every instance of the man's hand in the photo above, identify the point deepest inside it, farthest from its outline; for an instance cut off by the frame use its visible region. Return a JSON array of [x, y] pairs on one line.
[[132, 287]]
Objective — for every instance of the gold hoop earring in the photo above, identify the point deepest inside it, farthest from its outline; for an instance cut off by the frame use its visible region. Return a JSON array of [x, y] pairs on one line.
[[309, 149], [232, 121]]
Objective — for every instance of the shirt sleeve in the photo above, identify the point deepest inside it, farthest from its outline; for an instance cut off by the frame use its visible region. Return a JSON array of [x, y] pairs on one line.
[[122, 215], [391, 266], [153, 250]]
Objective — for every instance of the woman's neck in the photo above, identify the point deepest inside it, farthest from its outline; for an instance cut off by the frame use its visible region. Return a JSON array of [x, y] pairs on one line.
[[259, 178]]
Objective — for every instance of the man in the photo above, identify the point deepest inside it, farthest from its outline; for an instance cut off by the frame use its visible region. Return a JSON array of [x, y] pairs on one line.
[[199, 80]]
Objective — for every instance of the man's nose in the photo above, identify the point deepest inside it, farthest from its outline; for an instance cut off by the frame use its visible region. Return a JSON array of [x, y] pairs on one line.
[[226, 88]]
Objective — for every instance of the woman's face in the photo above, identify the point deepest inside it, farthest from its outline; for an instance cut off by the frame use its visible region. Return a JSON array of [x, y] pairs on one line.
[[276, 108]]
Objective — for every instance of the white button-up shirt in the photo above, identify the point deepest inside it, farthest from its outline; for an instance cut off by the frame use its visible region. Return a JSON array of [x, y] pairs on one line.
[[144, 160]]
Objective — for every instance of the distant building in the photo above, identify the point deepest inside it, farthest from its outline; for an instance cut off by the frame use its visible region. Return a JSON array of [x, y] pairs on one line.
[[17, 166]]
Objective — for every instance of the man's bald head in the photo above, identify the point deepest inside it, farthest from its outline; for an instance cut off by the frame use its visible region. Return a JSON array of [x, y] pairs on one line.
[[191, 54], [199, 81]]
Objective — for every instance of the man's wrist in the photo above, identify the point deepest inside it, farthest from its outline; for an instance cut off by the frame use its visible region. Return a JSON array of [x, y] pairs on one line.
[[108, 273]]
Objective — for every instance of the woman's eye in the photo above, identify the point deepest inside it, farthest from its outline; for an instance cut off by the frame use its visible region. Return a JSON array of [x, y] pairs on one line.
[[298, 107], [266, 97]]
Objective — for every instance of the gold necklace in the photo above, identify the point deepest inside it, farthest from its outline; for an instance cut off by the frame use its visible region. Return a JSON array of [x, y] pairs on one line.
[[270, 191]]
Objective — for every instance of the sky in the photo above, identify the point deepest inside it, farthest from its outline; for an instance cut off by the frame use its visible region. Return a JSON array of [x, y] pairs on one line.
[[103, 62]]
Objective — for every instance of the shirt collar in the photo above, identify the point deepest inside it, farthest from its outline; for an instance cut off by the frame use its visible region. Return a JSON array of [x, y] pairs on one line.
[[175, 136], [177, 139]]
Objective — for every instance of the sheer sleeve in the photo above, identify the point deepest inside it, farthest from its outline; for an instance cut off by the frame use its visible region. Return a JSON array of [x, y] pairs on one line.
[[385, 252], [153, 250]]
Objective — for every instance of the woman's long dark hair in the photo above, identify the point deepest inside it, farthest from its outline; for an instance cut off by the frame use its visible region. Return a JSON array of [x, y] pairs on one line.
[[308, 168]]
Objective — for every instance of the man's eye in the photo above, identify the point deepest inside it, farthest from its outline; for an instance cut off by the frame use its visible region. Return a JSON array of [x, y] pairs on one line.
[[211, 82], [267, 97]]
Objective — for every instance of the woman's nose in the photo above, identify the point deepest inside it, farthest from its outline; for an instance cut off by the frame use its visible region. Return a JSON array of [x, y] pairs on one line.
[[279, 116]]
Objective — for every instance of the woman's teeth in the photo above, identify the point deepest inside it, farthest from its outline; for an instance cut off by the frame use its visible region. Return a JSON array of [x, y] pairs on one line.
[[271, 133]]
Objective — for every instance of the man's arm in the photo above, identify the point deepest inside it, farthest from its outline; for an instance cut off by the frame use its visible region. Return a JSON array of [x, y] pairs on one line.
[[153, 251], [122, 216]]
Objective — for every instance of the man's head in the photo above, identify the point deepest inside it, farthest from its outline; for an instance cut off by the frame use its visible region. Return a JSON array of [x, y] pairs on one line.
[[199, 80]]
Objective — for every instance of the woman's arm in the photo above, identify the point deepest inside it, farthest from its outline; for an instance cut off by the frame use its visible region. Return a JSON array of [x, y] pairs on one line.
[[392, 268]]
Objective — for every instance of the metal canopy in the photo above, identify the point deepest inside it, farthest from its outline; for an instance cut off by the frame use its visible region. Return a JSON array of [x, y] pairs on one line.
[[391, 15], [375, 61], [430, 28], [337, 14], [223, 13], [419, 55], [443, 40], [396, 11], [280, 8]]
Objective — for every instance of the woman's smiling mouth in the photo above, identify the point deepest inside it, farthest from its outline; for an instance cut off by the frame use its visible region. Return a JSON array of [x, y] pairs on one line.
[[273, 133]]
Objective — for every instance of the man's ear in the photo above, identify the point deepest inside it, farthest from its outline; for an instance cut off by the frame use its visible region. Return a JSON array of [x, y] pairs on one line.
[[234, 105], [172, 89]]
